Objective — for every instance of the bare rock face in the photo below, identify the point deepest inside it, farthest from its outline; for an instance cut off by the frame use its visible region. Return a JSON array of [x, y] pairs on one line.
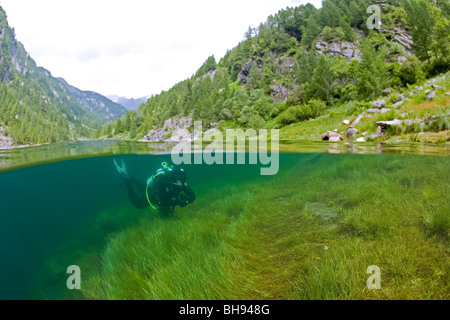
[[245, 72], [180, 135], [332, 136], [286, 64], [404, 38], [177, 123], [345, 49], [279, 93], [175, 129]]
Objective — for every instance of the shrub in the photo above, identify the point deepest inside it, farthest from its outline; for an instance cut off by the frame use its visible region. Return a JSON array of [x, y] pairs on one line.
[[311, 110], [256, 122], [289, 116], [315, 109], [275, 112], [411, 71]]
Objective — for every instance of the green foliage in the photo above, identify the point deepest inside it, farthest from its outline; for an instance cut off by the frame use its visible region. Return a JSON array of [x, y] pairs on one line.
[[322, 83], [312, 110], [372, 75], [421, 22], [411, 71], [289, 116], [254, 79], [210, 64]]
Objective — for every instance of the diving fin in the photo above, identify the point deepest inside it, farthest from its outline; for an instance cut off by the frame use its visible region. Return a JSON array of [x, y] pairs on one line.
[[122, 170]]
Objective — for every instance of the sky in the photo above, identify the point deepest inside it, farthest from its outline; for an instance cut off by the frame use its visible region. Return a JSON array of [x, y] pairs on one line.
[[133, 48]]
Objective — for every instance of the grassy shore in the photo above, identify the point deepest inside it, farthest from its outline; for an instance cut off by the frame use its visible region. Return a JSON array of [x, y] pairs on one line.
[[415, 107], [310, 232]]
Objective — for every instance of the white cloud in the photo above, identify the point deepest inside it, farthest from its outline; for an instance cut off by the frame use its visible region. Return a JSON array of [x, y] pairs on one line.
[[134, 47]]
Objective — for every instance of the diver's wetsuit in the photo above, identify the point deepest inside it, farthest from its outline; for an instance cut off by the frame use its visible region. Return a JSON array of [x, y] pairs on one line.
[[166, 189], [136, 192]]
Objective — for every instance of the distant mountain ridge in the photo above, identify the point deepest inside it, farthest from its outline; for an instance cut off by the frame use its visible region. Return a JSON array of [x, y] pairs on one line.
[[130, 104], [99, 105]]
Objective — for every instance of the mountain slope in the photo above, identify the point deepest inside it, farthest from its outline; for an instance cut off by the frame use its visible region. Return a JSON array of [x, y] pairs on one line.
[[35, 107], [304, 60], [100, 106], [130, 104]]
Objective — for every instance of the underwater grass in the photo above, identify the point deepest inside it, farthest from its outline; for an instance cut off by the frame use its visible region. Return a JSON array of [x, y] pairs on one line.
[[264, 240]]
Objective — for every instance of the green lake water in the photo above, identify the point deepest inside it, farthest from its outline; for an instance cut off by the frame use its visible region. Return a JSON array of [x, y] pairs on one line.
[[61, 205]]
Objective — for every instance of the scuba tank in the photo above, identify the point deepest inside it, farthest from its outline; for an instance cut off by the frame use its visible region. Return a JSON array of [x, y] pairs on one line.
[[165, 168]]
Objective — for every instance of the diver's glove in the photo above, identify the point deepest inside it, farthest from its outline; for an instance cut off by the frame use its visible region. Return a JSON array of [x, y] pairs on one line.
[[183, 199]]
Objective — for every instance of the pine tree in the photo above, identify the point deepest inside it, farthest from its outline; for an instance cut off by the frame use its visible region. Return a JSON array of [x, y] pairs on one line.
[[254, 78], [421, 23], [372, 75], [119, 127], [322, 83]]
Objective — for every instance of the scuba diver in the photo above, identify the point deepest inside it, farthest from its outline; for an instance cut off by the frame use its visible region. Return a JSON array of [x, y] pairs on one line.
[[163, 191]]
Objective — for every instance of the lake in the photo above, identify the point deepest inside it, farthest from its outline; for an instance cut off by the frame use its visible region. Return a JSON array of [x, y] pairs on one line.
[[308, 232]]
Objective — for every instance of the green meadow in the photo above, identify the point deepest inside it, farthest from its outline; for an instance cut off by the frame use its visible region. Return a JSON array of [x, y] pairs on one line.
[[310, 232]]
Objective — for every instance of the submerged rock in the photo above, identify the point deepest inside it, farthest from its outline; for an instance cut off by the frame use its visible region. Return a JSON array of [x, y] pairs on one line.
[[321, 211]]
